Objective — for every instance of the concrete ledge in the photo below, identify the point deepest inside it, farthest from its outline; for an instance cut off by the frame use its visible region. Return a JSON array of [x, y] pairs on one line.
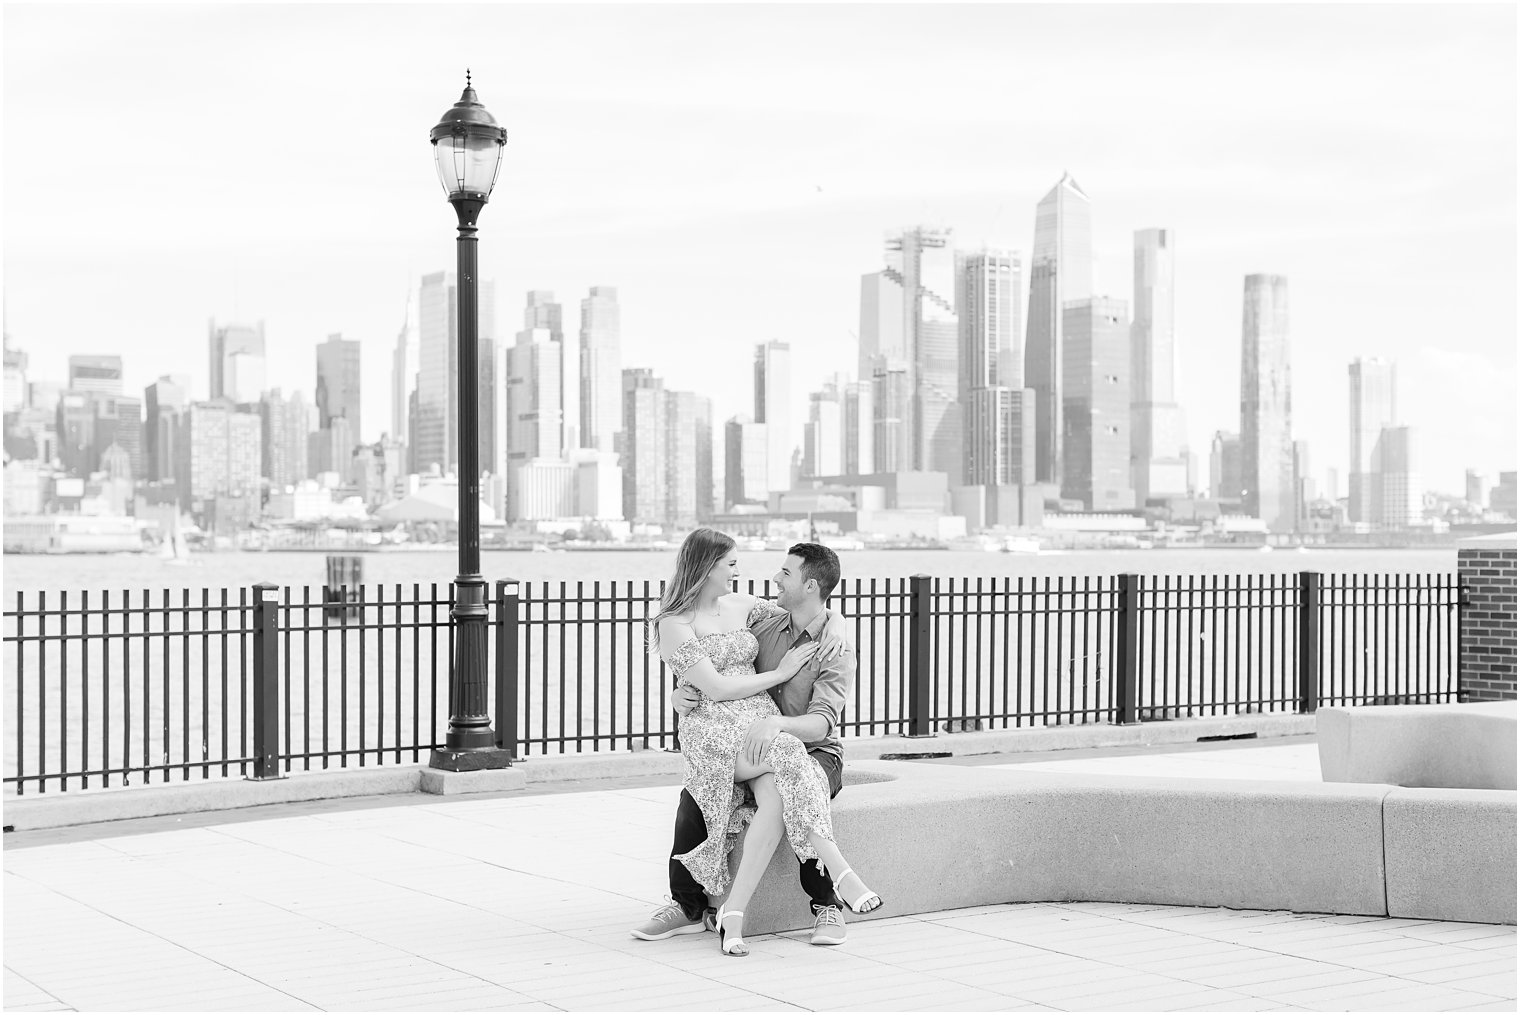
[[82, 807], [1469, 746], [937, 838], [1450, 854], [482, 780]]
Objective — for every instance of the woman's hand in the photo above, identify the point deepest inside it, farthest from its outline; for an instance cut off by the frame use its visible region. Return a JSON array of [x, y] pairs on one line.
[[834, 638], [795, 659]]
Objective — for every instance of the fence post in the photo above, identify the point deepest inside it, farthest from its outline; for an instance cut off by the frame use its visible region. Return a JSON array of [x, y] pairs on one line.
[[506, 665], [1127, 666], [920, 655], [1308, 642], [266, 682]]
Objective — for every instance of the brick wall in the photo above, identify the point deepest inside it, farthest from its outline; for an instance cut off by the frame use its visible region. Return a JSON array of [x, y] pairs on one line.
[[1486, 567]]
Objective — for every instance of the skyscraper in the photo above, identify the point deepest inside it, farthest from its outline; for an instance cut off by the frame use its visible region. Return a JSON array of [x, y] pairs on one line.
[[403, 375], [773, 407], [218, 452], [437, 417], [1225, 484], [891, 405], [881, 320], [924, 260], [118, 422], [534, 417], [338, 383], [241, 348], [688, 452], [1374, 405], [543, 313], [95, 375], [1396, 484], [645, 461], [1060, 272], [285, 424], [600, 369], [823, 442], [1266, 404], [163, 401], [1158, 431], [1095, 384], [746, 460], [858, 427], [998, 448]]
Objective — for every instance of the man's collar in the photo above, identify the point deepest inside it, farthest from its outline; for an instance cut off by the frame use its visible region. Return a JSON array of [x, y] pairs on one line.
[[814, 629]]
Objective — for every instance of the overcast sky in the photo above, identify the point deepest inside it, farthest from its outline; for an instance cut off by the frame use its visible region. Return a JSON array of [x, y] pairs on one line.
[[733, 170]]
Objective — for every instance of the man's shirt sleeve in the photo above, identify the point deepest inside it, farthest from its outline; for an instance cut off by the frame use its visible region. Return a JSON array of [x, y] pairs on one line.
[[832, 688]]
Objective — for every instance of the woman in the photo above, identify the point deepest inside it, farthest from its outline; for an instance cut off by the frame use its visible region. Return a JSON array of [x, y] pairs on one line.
[[702, 633]]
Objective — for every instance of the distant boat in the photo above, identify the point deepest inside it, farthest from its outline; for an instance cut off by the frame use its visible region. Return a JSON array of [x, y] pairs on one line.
[[1021, 544]]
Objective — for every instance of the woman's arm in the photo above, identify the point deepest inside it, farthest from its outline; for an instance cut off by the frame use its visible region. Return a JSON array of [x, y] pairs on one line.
[[684, 654]]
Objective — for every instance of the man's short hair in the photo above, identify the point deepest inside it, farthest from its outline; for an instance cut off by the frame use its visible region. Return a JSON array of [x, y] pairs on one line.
[[819, 564]]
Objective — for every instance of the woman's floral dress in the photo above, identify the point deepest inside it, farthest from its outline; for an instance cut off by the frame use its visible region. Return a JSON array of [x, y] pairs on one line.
[[711, 736]]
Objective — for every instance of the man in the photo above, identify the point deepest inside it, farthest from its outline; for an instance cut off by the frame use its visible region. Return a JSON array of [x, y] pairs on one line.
[[810, 705]]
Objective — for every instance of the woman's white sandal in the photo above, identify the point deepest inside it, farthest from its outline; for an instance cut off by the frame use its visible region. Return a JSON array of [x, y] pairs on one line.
[[730, 945], [866, 902]]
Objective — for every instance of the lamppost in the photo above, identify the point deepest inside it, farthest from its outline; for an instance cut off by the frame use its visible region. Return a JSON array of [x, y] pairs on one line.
[[467, 146]]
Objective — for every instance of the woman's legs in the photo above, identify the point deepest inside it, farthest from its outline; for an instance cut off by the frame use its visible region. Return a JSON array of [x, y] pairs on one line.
[[760, 841]]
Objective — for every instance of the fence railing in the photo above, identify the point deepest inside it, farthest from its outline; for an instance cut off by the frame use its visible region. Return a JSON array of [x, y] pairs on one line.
[[128, 688]]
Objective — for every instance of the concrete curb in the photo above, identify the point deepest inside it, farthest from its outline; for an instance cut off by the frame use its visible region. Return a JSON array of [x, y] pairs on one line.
[[82, 807]]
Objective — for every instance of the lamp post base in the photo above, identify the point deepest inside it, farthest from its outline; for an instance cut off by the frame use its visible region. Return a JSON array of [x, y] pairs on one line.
[[470, 761]]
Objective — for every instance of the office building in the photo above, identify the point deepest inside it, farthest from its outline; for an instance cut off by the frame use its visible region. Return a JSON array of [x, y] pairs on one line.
[[891, 404], [1225, 482], [338, 374], [882, 310], [1374, 405], [285, 427], [600, 374], [1095, 384], [436, 421], [163, 401], [534, 414], [1266, 404], [858, 427], [773, 407], [237, 361], [95, 375], [1060, 272], [403, 376], [1158, 430], [997, 409], [688, 452], [823, 441], [218, 452], [118, 423], [922, 257], [543, 314], [746, 459], [1396, 483], [645, 459], [1475, 488]]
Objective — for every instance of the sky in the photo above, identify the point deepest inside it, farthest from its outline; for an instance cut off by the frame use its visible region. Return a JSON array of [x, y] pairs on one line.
[[734, 169]]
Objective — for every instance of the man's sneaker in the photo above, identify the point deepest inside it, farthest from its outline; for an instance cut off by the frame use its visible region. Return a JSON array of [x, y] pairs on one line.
[[828, 926], [667, 921], [710, 919]]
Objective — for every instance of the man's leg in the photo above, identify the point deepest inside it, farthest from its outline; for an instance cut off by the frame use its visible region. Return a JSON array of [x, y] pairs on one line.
[[688, 900], [828, 911]]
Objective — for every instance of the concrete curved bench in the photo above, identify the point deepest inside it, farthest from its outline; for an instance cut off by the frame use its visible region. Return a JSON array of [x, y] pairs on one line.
[[943, 837], [1470, 746]]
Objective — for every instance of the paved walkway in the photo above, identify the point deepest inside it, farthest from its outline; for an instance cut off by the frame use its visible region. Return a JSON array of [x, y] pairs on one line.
[[523, 902]]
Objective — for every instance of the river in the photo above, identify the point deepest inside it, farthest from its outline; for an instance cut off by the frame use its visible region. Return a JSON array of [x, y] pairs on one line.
[[28, 573]]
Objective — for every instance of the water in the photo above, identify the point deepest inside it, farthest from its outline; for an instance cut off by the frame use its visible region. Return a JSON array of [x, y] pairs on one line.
[[231, 570]]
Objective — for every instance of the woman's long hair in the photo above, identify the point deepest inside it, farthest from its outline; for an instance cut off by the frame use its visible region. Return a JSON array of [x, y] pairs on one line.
[[694, 561]]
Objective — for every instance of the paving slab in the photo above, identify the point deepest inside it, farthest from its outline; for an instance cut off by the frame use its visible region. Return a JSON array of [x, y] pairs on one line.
[[522, 902]]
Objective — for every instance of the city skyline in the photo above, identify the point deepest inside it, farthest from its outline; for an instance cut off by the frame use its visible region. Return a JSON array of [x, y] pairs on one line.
[[784, 204]]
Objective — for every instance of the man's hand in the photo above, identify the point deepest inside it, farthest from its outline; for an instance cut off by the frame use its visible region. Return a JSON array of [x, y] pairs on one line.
[[834, 638], [761, 733], [685, 699]]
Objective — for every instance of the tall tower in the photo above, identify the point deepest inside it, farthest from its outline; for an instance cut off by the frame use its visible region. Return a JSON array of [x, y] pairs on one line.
[[646, 480], [688, 454], [227, 345], [163, 400], [998, 408], [773, 393], [1266, 404], [746, 456], [437, 422], [95, 375], [600, 369], [1096, 415], [1374, 405], [1158, 431], [1060, 272], [924, 260], [338, 383], [403, 370]]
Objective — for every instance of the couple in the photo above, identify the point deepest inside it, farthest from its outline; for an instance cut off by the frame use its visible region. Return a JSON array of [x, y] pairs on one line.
[[759, 747]]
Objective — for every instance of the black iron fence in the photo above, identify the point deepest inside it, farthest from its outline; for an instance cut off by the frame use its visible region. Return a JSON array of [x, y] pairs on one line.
[[135, 687]]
